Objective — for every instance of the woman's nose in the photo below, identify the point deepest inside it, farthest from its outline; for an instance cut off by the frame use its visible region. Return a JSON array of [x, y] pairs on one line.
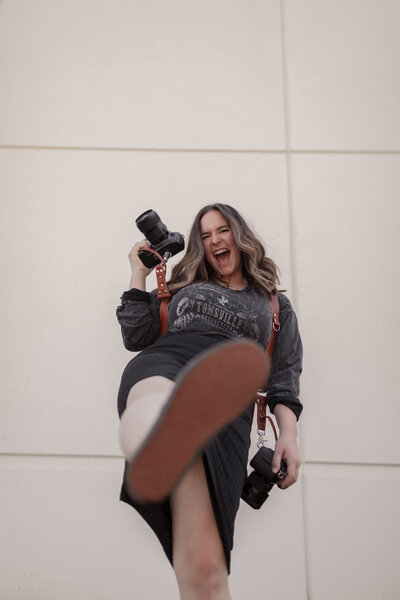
[[215, 237]]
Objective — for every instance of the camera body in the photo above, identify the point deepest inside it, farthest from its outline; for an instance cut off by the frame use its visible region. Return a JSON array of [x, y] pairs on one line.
[[261, 481], [166, 243]]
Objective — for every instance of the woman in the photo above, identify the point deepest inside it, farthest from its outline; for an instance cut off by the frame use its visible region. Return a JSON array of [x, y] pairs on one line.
[[220, 292]]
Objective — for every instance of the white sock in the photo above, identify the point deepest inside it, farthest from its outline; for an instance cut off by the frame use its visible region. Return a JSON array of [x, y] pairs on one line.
[[138, 420]]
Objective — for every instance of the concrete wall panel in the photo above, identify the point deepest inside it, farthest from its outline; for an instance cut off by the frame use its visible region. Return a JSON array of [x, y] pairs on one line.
[[63, 533], [141, 75], [343, 84], [345, 240], [352, 532]]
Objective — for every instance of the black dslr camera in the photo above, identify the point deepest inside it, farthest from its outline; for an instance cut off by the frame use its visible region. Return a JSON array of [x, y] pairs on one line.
[[261, 481], [166, 243]]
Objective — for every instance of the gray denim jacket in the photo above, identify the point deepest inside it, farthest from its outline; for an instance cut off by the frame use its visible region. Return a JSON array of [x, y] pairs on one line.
[[138, 315]]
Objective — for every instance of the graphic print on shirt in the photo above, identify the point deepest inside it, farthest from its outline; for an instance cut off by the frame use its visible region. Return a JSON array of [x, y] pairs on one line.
[[208, 307]]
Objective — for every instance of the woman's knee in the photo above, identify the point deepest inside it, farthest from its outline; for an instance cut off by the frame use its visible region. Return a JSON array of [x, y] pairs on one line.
[[202, 566]]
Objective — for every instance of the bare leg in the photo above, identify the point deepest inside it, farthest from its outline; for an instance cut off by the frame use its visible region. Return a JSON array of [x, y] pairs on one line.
[[149, 386], [198, 556], [145, 402]]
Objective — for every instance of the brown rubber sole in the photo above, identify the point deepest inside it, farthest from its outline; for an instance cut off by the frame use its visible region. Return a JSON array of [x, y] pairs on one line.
[[212, 390]]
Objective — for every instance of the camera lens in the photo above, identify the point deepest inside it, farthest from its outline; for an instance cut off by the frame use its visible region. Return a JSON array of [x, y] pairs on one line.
[[150, 224]]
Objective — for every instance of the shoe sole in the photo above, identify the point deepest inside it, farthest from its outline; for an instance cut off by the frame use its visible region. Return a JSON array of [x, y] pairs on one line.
[[212, 390]]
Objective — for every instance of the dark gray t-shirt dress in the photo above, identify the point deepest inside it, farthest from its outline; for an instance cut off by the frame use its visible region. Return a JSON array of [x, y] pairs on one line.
[[200, 316]]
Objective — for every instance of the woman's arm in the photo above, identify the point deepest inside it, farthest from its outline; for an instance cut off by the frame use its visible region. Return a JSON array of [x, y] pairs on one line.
[[286, 363], [138, 313], [284, 389]]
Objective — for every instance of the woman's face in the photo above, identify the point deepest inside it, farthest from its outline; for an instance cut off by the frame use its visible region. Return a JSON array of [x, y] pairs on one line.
[[220, 248]]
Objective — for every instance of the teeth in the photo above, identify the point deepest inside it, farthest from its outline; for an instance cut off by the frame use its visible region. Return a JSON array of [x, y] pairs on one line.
[[219, 252]]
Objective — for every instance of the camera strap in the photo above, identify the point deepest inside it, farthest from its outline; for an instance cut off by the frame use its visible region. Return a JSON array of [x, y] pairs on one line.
[[162, 289], [261, 398], [163, 293]]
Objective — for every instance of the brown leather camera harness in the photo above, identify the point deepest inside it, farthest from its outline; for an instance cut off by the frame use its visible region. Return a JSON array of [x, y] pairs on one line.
[[261, 398]]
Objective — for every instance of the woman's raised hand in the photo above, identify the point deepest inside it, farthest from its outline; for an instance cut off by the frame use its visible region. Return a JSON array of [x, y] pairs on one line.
[[139, 270]]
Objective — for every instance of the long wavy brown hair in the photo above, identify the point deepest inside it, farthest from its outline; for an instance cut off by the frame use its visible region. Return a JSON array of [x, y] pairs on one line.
[[258, 269]]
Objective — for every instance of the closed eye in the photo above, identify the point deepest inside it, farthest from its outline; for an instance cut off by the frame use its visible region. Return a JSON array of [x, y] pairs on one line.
[[206, 235]]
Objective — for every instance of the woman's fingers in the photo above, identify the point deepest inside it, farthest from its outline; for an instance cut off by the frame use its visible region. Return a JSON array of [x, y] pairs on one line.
[[136, 263], [286, 448], [292, 475], [276, 461], [141, 245]]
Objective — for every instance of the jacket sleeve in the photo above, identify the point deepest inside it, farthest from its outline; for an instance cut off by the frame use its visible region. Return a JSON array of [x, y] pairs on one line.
[[139, 317], [286, 364]]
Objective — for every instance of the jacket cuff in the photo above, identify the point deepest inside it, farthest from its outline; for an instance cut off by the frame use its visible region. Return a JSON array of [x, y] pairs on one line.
[[292, 403], [135, 294]]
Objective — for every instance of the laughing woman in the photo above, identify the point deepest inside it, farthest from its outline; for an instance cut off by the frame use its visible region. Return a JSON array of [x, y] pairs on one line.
[[185, 399]]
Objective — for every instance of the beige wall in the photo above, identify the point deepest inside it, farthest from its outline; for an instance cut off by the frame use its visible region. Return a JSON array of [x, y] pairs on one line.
[[289, 111]]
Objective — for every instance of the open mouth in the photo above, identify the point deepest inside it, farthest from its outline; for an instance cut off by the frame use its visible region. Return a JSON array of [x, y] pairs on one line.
[[222, 257]]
